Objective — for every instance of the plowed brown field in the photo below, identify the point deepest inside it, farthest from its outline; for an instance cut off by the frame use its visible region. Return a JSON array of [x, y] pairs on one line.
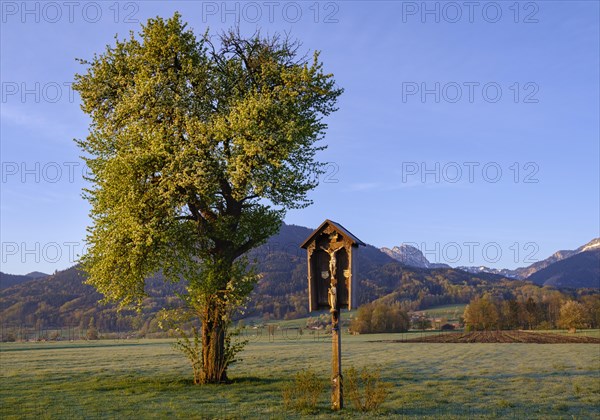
[[500, 337]]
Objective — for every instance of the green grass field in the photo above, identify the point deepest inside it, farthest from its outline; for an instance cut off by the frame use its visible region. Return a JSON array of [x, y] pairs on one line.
[[147, 378], [451, 312]]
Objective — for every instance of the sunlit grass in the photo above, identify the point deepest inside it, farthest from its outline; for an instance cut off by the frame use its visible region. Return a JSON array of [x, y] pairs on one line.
[[148, 379], [446, 311]]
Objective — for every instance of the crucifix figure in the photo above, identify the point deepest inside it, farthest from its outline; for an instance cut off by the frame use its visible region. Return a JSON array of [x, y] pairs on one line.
[[332, 292]]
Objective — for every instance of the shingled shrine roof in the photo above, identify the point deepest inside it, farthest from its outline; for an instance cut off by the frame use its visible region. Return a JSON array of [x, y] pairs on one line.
[[341, 229]]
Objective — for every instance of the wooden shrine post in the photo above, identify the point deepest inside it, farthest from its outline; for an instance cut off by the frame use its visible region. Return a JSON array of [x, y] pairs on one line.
[[337, 391], [332, 284]]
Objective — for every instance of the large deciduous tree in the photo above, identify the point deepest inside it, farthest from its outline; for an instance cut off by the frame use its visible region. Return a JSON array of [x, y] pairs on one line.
[[572, 315], [481, 314], [197, 147]]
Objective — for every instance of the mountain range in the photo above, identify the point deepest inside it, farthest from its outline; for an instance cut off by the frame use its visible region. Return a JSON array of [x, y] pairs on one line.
[[64, 299], [586, 266]]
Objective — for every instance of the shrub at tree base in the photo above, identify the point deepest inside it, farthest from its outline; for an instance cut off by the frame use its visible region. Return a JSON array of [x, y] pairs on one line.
[[365, 389], [304, 392]]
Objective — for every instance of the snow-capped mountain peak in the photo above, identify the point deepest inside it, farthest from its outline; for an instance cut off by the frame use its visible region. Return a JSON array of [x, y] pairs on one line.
[[411, 256], [593, 244]]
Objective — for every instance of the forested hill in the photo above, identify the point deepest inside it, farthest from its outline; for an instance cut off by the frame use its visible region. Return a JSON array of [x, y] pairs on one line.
[[579, 270], [63, 299], [7, 280]]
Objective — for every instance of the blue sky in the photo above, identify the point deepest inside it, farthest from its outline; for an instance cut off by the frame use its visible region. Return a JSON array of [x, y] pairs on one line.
[[470, 133]]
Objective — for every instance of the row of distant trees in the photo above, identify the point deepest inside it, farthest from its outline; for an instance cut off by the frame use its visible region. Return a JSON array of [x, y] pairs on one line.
[[379, 317], [548, 310], [491, 313]]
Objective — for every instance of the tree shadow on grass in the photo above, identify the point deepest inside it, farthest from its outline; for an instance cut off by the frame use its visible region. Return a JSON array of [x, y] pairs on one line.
[[188, 381], [255, 380]]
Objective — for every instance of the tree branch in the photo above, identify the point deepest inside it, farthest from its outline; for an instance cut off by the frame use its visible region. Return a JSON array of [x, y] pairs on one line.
[[247, 246]]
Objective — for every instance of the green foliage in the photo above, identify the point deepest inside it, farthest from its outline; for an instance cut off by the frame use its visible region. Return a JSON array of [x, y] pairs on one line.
[[190, 344], [197, 148], [191, 347], [365, 389], [379, 317], [182, 324], [189, 143], [304, 392]]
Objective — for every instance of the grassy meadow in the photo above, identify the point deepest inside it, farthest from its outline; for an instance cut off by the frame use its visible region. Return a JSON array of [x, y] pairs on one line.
[[147, 378], [451, 312]]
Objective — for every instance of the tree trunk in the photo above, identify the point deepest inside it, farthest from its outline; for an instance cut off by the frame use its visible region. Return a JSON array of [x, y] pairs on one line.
[[214, 329]]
